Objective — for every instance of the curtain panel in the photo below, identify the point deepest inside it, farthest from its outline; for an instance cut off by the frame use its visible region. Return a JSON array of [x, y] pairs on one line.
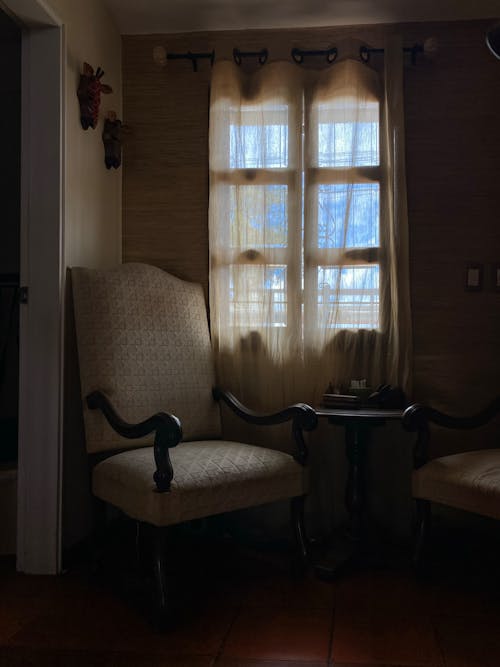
[[308, 229]]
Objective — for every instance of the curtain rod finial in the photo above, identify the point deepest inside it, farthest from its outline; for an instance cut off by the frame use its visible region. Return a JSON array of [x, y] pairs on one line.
[[493, 40]]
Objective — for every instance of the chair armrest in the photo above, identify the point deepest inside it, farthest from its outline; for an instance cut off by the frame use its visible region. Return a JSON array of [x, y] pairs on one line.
[[167, 428], [417, 417], [303, 418], [414, 414]]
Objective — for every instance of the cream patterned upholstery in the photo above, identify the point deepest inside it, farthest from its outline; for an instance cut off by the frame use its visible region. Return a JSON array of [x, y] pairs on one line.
[[143, 341], [210, 477], [469, 481]]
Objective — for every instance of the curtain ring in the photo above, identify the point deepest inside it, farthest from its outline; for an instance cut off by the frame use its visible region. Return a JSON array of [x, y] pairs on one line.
[[261, 55], [364, 54], [331, 54]]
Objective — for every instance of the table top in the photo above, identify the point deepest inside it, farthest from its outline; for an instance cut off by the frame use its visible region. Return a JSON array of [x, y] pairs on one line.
[[359, 413]]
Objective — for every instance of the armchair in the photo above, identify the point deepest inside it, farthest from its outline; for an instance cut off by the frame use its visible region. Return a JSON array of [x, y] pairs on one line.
[[151, 413], [467, 481]]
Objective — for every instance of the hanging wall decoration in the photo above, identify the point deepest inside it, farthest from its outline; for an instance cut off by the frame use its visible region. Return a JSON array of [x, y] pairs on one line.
[[89, 95], [112, 140]]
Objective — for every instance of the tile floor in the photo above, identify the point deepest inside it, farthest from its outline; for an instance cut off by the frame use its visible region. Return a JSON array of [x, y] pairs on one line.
[[239, 607]]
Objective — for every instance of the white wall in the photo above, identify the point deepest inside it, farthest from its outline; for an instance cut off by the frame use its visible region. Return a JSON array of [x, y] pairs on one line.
[[92, 234], [92, 227]]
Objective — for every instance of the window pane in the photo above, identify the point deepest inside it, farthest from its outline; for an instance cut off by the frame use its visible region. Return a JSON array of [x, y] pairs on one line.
[[348, 215], [257, 296], [349, 297], [258, 138], [258, 216], [348, 134]]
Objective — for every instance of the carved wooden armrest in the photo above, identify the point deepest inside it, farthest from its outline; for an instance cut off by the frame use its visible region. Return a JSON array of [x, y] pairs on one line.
[[417, 417], [303, 418], [168, 433]]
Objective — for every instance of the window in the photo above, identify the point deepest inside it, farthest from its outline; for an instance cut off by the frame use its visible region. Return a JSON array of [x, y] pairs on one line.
[[343, 180], [303, 243]]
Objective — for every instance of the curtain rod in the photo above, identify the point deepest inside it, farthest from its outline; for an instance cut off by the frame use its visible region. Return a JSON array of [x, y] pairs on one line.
[[160, 55], [365, 52]]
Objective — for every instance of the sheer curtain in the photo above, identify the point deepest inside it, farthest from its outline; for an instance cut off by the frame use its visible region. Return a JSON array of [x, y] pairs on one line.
[[308, 233]]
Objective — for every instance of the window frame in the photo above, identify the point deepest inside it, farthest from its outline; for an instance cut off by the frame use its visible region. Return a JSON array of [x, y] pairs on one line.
[[302, 268]]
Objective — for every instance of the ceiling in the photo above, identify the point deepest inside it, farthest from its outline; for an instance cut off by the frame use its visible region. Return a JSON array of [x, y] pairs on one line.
[[169, 16]]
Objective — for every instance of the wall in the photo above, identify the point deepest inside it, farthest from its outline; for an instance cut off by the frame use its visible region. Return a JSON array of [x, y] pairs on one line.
[[453, 171], [92, 229], [92, 235]]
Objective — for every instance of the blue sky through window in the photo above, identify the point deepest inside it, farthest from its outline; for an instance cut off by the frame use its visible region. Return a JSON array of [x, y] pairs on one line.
[[348, 144], [258, 280], [348, 296], [258, 216], [348, 215], [258, 146]]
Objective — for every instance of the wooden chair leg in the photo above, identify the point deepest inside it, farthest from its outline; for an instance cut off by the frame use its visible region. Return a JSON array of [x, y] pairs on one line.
[[423, 519], [162, 606], [98, 535], [301, 556], [140, 550]]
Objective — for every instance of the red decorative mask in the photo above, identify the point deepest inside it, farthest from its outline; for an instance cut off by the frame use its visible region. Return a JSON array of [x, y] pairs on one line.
[[89, 95]]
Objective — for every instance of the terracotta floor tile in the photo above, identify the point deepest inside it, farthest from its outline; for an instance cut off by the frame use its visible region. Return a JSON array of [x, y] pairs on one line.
[[11, 623], [56, 587], [15, 614], [471, 641], [465, 597], [114, 625], [382, 589], [280, 634], [240, 662], [196, 631], [285, 591], [248, 612], [368, 664], [373, 635], [23, 657]]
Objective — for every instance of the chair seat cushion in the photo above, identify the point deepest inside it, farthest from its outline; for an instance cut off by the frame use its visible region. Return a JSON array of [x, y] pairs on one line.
[[210, 477], [468, 481]]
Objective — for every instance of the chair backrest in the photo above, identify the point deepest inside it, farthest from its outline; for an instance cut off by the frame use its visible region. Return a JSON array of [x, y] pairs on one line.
[[143, 340]]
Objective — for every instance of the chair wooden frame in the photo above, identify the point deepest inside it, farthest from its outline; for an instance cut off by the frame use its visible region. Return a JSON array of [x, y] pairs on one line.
[[168, 434], [417, 418]]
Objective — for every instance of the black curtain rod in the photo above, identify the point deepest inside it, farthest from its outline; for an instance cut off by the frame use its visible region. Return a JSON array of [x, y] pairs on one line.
[[193, 57], [365, 52], [297, 55]]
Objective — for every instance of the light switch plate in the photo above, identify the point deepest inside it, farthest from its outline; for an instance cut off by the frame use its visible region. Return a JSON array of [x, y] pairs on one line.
[[495, 275], [474, 277]]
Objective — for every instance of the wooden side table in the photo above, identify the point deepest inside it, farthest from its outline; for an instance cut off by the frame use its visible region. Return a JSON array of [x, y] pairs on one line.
[[358, 425]]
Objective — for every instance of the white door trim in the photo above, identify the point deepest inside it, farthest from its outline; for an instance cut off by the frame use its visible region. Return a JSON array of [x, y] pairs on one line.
[[42, 267]]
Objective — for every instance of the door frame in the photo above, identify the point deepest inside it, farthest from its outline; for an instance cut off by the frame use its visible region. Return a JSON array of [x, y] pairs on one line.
[[42, 272]]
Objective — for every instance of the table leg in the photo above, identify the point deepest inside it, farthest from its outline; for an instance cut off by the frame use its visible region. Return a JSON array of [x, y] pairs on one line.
[[356, 441], [345, 551]]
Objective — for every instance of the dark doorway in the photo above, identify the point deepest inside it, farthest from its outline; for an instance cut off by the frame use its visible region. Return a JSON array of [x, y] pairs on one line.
[[10, 170]]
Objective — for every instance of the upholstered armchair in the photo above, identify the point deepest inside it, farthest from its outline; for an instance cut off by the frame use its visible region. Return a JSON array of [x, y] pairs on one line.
[[467, 481], [151, 412]]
